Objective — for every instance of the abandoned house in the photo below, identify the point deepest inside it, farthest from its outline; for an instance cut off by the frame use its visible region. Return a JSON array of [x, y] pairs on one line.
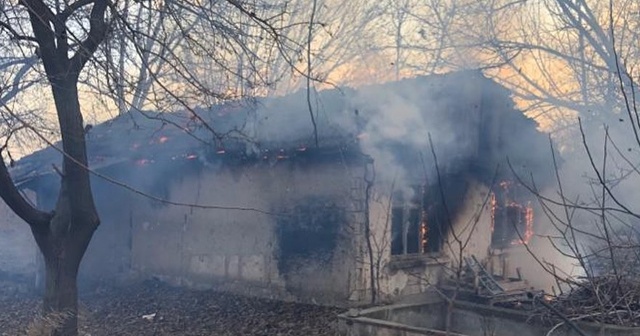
[[377, 199]]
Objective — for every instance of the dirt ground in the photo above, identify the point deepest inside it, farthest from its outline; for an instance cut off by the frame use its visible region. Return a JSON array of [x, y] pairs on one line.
[[179, 312]]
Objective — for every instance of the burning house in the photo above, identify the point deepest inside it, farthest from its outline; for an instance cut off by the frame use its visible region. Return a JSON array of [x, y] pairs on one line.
[[375, 200]]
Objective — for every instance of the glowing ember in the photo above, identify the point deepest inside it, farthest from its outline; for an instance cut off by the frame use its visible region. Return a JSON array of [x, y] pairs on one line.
[[493, 211], [424, 232], [282, 155], [528, 233], [505, 184], [142, 162], [191, 157]]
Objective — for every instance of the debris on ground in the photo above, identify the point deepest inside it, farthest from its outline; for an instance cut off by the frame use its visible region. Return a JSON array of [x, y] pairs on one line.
[[603, 299], [154, 308]]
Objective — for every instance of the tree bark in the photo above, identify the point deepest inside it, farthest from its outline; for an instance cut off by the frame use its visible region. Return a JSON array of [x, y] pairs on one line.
[[62, 256], [61, 293], [63, 245], [65, 240], [64, 234]]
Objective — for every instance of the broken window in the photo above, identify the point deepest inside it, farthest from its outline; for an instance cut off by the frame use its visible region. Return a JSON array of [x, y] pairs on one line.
[[405, 230], [414, 230], [512, 216], [419, 224]]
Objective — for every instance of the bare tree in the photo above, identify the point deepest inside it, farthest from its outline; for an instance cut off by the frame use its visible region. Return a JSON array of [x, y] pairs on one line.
[[559, 55], [94, 46], [556, 55], [426, 37], [335, 36], [593, 211]]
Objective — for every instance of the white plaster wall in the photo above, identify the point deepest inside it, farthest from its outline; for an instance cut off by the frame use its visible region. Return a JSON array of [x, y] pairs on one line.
[[541, 250], [472, 227], [471, 233], [208, 246], [392, 281], [507, 262]]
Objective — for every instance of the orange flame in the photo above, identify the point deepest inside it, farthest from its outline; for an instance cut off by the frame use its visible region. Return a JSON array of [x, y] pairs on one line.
[[424, 232], [523, 237]]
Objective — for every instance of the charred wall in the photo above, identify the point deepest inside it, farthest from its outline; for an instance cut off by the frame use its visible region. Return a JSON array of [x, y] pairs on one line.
[[308, 236], [289, 239]]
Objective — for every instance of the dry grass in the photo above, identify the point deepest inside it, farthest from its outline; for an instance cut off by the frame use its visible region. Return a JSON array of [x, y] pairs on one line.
[[45, 325]]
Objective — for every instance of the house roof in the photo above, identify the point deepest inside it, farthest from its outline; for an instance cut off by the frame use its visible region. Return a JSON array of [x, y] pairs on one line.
[[280, 127]]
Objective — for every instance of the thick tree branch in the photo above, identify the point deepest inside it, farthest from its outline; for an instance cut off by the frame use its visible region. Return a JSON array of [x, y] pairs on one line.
[[16, 35], [41, 18], [64, 15], [97, 33], [16, 86], [9, 193]]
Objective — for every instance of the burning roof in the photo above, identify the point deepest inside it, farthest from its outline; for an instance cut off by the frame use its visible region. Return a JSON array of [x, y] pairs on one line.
[[458, 109]]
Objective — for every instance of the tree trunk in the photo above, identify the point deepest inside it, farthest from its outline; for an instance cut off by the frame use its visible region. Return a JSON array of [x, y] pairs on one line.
[[63, 245], [65, 240], [61, 295], [64, 234]]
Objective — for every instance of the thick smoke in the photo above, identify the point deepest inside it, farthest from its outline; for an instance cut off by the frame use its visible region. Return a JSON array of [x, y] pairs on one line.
[[392, 123], [397, 134], [599, 179], [469, 118]]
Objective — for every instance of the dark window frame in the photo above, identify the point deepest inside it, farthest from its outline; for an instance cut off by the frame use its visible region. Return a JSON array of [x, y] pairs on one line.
[[511, 216], [414, 230]]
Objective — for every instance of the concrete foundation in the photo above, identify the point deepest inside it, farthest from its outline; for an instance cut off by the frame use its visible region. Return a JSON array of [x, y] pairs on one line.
[[466, 319]]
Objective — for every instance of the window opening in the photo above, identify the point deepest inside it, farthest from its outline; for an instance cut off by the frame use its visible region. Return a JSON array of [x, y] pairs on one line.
[[511, 215], [415, 226]]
